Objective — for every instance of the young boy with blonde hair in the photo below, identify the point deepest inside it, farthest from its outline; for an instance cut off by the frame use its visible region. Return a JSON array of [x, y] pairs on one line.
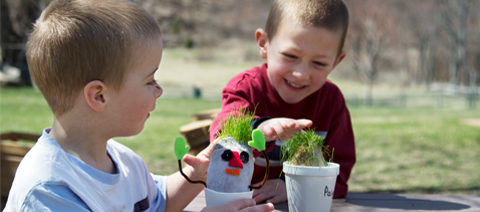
[[95, 61], [302, 43]]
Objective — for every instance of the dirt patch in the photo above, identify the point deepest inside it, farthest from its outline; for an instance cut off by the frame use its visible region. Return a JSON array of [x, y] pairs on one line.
[[472, 122]]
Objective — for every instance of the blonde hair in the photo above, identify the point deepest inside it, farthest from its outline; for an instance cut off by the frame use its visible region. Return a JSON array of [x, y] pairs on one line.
[[328, 14], [77, 41]]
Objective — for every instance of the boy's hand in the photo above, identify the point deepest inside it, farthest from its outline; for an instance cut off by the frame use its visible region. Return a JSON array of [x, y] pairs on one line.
[[274, 191], [200, 162], [243, 205], [282, 128]]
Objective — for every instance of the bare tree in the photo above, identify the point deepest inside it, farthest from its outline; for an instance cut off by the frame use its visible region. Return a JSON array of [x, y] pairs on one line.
[[368, 33], [423, 21], [454, 15], [430, 40]]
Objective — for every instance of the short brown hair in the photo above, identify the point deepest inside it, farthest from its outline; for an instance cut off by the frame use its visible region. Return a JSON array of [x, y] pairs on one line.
[[328, 14], [77, 41]]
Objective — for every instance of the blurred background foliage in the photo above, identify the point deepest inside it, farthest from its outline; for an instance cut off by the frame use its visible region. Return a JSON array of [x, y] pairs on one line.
[[429, 43]]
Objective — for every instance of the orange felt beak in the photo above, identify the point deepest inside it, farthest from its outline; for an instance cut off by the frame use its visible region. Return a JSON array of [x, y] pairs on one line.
[[233, 171]]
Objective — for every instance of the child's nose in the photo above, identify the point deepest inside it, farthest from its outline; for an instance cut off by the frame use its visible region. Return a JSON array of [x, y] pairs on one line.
[[158, 91], [301, 71], [235, 160]]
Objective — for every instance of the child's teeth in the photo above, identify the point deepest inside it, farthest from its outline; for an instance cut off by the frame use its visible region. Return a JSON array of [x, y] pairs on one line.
[[294, 85]]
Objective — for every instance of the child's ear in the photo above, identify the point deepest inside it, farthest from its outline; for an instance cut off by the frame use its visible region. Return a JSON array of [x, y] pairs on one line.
[[262, 39], [339, 58], [94, 95]]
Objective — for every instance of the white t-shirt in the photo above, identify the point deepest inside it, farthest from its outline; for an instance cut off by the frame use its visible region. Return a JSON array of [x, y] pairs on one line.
[[49, 179]]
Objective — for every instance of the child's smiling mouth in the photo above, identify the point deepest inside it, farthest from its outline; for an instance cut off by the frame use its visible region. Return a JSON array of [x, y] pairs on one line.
[[293, 85]]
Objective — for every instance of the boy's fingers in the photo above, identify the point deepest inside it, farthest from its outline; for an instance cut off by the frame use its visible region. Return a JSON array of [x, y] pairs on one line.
[[191, 160], [275, 199], [248, 205], [278, 129], [242, 203], [260, 208], [207, 152], [302, 123], [210, 147], [269, 133], [261, 197], [288, 124]]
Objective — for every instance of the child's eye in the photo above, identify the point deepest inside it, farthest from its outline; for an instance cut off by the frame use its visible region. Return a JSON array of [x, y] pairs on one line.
[[153, 82], [291, 56], [320, 64]]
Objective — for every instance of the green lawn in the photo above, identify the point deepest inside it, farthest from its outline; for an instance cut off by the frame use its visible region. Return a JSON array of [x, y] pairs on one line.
[[399, 150], [416, 150]]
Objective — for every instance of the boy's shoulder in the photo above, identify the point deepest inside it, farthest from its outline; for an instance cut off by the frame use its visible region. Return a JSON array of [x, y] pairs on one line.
[[41, 159], [330, 86], [252, 77], [47, 168], [39, 167], [48, 162]]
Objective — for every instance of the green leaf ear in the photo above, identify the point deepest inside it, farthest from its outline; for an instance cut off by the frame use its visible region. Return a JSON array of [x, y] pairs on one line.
[[258, 140], [180, 148]]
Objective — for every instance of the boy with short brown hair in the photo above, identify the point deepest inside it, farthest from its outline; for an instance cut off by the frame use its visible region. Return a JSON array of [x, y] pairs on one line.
[[95, 61], [302, 43]]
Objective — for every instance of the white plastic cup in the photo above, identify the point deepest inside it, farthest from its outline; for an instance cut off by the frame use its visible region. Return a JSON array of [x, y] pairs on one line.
[[215, 198], [310, 188]]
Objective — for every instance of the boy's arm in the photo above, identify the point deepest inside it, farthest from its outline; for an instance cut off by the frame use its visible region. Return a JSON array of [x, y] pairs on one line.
[[180, 192], [282, 128]]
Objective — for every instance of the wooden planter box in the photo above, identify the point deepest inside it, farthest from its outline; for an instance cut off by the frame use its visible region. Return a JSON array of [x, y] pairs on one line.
[[11, 153], [206, 114], [197, 135], [197, 132]]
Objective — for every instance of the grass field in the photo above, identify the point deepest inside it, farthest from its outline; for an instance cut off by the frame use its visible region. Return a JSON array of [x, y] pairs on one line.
[[399, 150]]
